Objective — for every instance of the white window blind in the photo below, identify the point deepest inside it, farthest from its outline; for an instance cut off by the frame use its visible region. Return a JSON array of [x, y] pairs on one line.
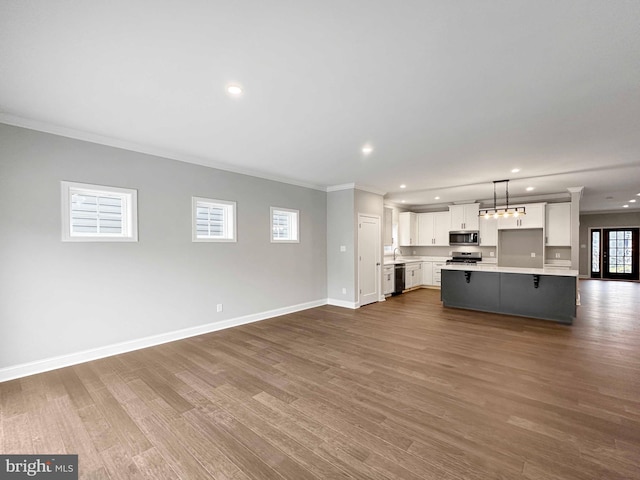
[[213, 220], [98, 213], [284, 225]]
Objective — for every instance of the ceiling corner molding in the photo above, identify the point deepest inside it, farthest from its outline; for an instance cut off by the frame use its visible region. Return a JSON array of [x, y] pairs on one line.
[[344, 186], [366, 188], [355, 186], [85, 136], [579, 190]]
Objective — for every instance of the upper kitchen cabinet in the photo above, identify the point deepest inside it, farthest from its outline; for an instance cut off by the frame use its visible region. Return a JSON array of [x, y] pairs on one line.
[[558, 222], [534, 218], [464, 217], [488, 232], [388, 226], [407, 229], [433, 229]]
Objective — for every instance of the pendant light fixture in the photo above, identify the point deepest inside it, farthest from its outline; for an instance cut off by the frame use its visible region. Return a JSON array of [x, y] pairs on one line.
[[506, 212]]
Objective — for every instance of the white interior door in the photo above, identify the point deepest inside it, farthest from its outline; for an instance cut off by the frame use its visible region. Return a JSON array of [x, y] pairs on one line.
[[368, 259]]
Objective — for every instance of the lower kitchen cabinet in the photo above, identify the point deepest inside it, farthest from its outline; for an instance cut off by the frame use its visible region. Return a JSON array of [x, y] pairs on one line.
[[427, 273], [431, 273], [388, 279], [412, 275], [437, 275]]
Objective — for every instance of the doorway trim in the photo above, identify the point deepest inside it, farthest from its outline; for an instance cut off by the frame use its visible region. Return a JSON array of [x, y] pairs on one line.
[[603, 257]]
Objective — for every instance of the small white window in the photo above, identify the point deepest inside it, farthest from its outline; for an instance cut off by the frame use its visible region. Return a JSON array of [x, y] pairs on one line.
[[213, 220], [97, 213], [284, 225]]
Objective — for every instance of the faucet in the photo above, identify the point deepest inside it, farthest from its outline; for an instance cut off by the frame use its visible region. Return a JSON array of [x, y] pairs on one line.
[[394, 253]]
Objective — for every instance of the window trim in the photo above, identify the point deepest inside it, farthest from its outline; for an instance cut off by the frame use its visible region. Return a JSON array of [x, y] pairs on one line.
[[232, 222], [297, 224], [130, 212]]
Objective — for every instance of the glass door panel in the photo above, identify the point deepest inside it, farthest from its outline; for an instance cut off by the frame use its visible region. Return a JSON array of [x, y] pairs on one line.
[[619, 253], [595, 253]]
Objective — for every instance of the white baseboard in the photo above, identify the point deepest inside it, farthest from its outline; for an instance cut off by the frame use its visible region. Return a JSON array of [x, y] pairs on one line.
[[40, 366], [342, 303]]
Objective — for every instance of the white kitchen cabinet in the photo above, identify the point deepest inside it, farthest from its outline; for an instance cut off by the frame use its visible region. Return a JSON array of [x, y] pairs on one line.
[[437, 272], [407, 229], [433, 229], [427, 273], [388, 226], [412, 275], [488, 232], [558, 223], [464, 217], [534, 218], [388, 279]]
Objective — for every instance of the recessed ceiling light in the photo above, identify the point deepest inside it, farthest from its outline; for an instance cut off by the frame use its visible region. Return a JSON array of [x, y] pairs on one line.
[[403, 186], [436, 198], [530, 189], [367, 149], [633, 200], [404, 201], [638, 194], [234, 89], [625, 206], [515, 170]]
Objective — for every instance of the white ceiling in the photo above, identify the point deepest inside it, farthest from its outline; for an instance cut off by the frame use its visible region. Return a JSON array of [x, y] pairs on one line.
[[451, 94]]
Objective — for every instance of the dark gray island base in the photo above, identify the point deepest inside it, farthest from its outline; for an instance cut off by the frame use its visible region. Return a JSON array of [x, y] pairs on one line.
[[527, 293]]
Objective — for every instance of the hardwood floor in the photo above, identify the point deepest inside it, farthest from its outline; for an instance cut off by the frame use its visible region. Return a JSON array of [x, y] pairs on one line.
[[403, 389]]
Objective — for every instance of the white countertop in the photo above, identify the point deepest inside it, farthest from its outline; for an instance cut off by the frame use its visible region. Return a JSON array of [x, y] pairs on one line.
[[563, 272], [390, 261]]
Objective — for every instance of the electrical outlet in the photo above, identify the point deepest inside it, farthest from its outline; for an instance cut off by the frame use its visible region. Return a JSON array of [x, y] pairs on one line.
[[343, 248], [344, 291], [557, 255], [492, 254], [219, 307], [533, 254]]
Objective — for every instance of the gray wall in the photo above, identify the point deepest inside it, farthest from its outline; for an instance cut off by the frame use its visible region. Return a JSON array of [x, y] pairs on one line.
[[341, 231], [58, 298], [587, 221], [515, 248]]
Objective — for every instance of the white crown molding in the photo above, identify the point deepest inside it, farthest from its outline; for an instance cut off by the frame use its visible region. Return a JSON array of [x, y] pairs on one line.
[[344, 186], [355, 186], [366, 188], [618, 211], [76, 134]]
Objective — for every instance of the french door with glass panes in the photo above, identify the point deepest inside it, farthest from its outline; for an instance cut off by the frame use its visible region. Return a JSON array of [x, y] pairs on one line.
[[614, 253]]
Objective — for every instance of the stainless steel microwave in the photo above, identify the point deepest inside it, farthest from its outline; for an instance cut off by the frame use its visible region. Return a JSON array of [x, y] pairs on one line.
[[466, 237]]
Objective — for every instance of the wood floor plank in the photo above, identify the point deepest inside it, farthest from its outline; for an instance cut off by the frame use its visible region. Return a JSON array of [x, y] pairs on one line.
[[402, 389]]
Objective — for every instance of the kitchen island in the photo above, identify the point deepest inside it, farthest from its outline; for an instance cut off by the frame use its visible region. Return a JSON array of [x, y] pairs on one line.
[[546, 293]]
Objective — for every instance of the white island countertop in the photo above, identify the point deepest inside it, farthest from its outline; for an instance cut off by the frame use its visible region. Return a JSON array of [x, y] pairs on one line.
[[561, 272]]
